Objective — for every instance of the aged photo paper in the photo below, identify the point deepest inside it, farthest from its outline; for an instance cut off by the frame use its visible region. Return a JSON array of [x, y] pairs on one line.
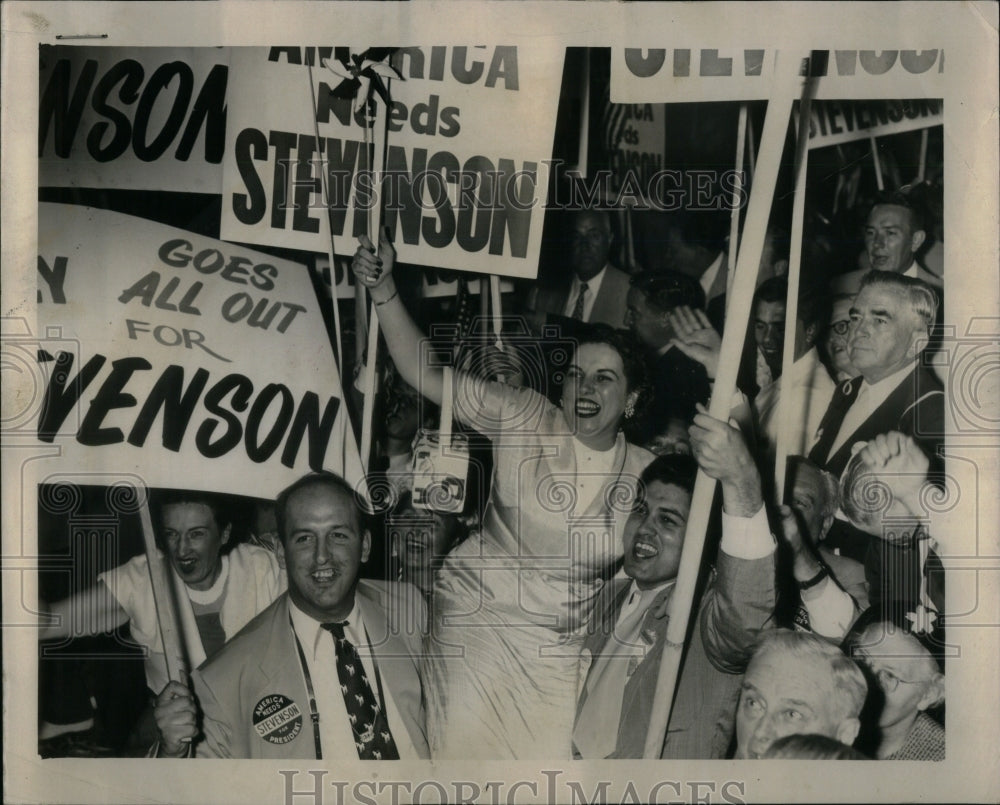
[[161, 240]]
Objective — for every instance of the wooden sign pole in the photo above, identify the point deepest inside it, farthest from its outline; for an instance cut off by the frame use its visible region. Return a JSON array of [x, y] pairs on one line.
[[785, 91]]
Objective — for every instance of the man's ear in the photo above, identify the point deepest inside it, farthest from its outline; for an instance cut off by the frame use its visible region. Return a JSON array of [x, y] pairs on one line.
[[366, 545], [225, 533], [917, 240], [848, 731], [918, 341], [279, 552], [825, 528]]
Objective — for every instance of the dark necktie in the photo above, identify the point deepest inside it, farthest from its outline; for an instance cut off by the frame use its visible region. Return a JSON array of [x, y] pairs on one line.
[[580, 300], [368, 722], [842, 400]]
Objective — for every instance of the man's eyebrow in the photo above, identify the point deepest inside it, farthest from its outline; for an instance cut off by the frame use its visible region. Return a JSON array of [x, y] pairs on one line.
[[881, 311], [671, 510], [799, 703]]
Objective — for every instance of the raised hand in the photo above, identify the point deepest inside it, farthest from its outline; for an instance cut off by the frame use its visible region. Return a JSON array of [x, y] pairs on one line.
[[899, 463], [695, 337], [374, 271], [722, 454]]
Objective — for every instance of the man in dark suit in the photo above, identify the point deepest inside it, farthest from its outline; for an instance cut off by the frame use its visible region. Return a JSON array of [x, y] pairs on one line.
[[594, 291], [890, 319], [679, 382], [627, 644], [329, 669]]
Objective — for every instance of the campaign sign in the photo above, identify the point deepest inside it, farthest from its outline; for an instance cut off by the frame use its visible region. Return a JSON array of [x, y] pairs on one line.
[[132, 118], [189, 362], [685, 74], [835, 122], [469, 130]]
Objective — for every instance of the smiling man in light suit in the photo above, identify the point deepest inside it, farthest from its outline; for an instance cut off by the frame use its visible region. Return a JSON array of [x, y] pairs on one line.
[[621, 658], [329, 669]]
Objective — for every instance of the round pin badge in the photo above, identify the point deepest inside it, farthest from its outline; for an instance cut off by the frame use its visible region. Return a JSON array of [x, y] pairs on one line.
[[277, 719]]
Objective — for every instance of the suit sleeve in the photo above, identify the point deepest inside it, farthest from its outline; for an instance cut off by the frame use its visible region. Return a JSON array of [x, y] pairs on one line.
[[738, 604], [217, 732], [925, 422]]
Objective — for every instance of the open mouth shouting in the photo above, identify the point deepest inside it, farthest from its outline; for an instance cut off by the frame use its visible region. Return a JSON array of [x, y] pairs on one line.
[[587, 408], [643, 549], [187, 565]]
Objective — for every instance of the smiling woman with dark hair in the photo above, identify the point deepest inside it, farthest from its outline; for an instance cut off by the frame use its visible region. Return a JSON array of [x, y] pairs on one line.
[[510, 608]]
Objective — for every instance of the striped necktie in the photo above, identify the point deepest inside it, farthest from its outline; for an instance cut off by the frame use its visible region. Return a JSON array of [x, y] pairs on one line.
[[581, 300]]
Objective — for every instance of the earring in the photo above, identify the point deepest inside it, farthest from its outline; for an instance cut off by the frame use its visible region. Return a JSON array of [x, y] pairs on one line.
[[629, 409]]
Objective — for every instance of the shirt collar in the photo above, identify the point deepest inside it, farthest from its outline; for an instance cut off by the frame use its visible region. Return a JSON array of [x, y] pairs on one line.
[[646, 597], [310, 630], [708, 278], [884, 386], [593, 284]]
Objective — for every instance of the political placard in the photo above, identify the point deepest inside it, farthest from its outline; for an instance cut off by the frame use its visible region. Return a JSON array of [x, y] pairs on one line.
[[686, 74], [132, 118], [186, 361], [836, 122], [465, 179], [636, 135]]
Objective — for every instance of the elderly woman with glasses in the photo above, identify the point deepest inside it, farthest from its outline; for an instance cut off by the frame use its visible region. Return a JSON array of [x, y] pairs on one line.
[[908, 681]]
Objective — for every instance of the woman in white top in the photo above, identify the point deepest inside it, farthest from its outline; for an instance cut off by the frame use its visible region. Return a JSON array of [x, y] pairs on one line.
[[511, 606]]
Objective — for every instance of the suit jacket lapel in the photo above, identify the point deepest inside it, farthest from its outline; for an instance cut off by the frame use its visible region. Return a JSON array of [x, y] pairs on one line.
[[373, 611], [606, 617], [884, 418], [280, 650], [844, 395]]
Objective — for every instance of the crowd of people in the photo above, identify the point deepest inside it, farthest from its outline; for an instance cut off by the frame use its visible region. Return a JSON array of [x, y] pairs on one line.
[[528, 620]]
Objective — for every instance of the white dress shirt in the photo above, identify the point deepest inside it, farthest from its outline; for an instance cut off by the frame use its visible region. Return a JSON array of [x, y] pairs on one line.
[[708, 278], [321, 656], [593, 288], [870, 397]]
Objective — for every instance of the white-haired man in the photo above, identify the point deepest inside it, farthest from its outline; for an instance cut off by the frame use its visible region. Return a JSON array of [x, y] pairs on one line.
[[798, 684]]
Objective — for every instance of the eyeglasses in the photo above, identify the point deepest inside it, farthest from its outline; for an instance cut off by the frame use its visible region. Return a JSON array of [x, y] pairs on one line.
[[887, 680], [840, 327]]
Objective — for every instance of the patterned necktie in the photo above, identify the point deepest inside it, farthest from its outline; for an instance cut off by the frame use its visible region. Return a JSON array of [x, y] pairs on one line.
[[580, 300], [368, 722]]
